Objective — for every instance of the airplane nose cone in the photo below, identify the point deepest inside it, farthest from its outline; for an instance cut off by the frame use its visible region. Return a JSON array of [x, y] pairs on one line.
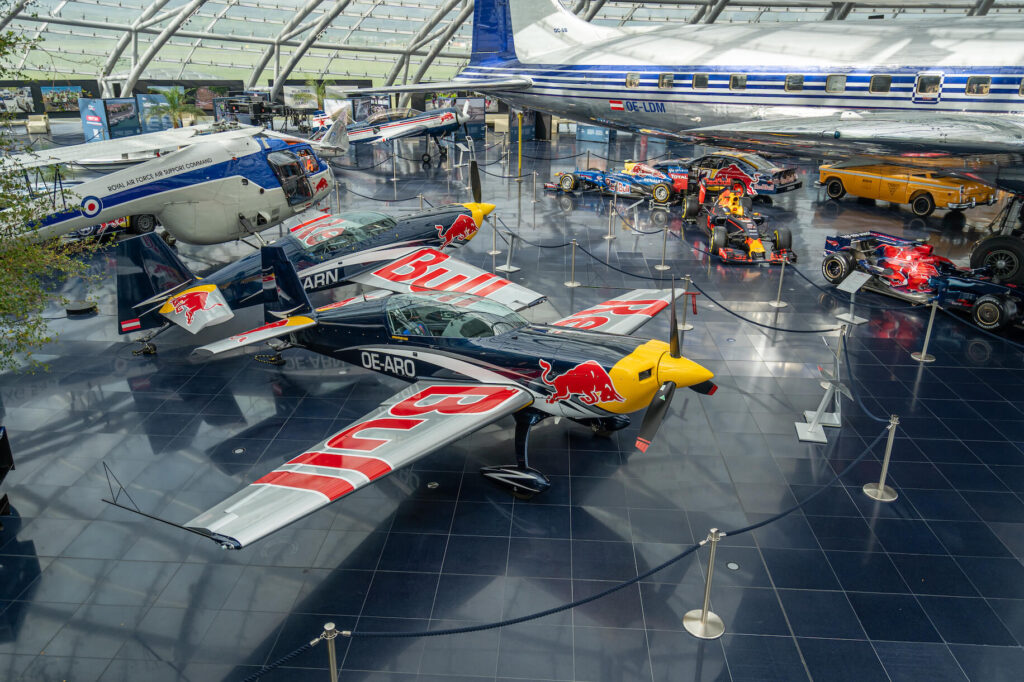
[[479, 211], [682, 372]]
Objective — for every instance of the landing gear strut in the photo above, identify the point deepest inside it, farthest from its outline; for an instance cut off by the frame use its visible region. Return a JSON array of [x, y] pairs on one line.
[[520, 479], [147, 347]]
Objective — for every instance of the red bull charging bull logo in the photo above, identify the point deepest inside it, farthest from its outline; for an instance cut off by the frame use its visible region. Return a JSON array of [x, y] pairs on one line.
[[322, 185], [192, 302], [589, 380], [462, 229]]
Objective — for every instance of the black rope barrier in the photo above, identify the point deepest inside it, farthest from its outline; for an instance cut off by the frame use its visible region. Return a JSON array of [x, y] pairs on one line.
[[632, 226], [364, 196], [853, 389], [527, 241], [626, 583], [495, 175], [713, 300], [835, 296], [279, 662], [987, 332], [344, 167]]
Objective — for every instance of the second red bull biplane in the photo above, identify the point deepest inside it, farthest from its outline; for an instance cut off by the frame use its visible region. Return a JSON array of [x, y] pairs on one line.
[[471, 359]]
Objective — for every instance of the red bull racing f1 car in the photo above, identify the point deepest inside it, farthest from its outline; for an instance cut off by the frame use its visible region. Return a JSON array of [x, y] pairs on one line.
[[908, 269], [737, 234]]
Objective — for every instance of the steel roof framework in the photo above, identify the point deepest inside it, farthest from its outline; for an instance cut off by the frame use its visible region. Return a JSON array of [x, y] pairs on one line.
[[386, 40]]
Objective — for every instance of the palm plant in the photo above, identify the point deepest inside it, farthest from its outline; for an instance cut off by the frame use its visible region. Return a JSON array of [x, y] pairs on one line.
[[320, 90], [178, 105]]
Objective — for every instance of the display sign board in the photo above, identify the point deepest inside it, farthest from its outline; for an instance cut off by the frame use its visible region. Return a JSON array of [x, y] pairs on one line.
[[594, 134], [17, 100], [61, 98], [122, 117], [853, 282], [152, 123], [300, 97], [365, 107], [94, 119]]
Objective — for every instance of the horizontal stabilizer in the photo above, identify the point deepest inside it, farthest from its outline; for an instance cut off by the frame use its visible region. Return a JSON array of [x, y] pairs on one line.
[[268, 331], [197, 308]]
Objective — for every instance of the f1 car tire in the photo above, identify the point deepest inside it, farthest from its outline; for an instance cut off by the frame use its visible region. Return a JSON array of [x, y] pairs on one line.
[[719, 238], [783, 239], [837, 266], [922, 205], [659, 218], [739, 188], [834, 188], [1003, 256], [993, 312], [425, 158], [567, 182], [691, 207], [661, 193], [142, 224]]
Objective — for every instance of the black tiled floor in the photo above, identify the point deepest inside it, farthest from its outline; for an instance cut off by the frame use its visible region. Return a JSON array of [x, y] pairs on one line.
[[928, 588]]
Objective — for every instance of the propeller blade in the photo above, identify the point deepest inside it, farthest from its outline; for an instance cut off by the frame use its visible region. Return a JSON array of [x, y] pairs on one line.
[[654, 415], [673, 328], [465, 111], [474, 181]]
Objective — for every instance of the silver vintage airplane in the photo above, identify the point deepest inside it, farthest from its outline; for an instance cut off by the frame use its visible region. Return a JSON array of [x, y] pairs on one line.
[[944, 93]]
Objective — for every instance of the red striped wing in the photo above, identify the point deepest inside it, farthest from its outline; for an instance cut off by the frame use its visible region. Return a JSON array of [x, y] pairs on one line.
[[412, 424], [622, 315]]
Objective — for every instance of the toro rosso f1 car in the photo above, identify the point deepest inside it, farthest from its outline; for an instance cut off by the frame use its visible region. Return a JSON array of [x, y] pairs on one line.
[[908, 269], [738, 235], [658, 190]]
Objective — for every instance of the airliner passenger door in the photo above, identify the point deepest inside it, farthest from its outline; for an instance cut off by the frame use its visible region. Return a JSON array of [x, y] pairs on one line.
[[928, 87]]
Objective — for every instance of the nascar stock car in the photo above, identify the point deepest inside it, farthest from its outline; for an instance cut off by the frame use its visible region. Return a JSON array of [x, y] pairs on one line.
[[737, 234], [908, 269], [659, 190]]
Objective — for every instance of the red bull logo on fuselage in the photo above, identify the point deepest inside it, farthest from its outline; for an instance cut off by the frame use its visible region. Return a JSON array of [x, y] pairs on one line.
[[462, 229], [588, 380], [192, 302]]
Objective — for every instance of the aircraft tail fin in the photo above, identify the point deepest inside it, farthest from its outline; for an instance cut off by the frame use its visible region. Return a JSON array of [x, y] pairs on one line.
[[283, 295], [148, 272], [336, 137], [504, 30]]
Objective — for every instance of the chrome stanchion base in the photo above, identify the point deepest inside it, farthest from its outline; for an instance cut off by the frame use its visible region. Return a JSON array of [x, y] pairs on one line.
[[608, 237], [571, 285], [662, 268], [507, 268], [883, 494], [922, 357], [685, 327], [778, 304], [713, 628], [827, 418]]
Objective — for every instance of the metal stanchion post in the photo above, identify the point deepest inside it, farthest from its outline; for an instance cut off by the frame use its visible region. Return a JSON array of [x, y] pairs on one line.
[[394, 163], [778, 302], [494, 240], [610, 235], [702, 622], [661, 267], [572, 283], [922, 355], [880, 491], [420, 195], [588, 159], [330, 632], [535, 199], [508, 267], [519, 165], [683, 325]]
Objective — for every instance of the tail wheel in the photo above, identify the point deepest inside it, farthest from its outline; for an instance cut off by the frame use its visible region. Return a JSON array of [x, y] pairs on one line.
[[142, 224], [567, 182], [837, 266], [719, 238], [661, 193], [783, 239], [993, 312], [834, 188], [922, 205]]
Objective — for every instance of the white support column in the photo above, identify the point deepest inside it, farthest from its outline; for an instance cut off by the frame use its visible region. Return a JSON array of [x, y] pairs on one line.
[[457, 22], [300, 51], [127, 38], [275, 49], [186, 12]]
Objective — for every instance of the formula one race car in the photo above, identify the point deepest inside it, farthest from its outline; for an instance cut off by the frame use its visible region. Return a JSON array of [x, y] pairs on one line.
[[622, 184], [738, 235], [909, 270]]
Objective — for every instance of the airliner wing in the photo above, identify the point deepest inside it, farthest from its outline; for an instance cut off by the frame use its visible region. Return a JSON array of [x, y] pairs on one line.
[[148, 142], [473, 85], [621, 315], [914, 133], [410, 425]]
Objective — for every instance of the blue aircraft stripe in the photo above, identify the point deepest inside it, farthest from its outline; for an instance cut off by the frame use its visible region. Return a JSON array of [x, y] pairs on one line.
[[540, 69]]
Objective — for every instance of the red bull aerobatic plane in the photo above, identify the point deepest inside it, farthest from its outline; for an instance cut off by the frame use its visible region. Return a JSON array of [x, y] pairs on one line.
[[472, 358]]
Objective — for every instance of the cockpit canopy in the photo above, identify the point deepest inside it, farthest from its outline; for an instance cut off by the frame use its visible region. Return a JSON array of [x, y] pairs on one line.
[[445, 315], [331, 233], [389, 115]]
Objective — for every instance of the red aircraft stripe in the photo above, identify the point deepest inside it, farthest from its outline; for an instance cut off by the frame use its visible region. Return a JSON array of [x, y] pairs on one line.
[[332, 488], [371, 467]]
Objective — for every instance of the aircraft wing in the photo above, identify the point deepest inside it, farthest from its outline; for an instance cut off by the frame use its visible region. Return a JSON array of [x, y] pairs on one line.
[[622, 315], [333, 142], [411, 424], [414, 269], [470, 84], [411, 130], [913, 134], [268, 331], [148, 142]]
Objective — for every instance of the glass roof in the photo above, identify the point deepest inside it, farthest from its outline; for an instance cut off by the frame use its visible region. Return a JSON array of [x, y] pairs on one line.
[[116, 41]]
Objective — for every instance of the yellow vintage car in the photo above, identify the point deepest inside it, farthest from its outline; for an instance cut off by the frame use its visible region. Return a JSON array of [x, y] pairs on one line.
[[923, 190]]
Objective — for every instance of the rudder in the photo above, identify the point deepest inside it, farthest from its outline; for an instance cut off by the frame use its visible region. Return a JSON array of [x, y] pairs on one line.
[[283, 294], [146, 268]]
